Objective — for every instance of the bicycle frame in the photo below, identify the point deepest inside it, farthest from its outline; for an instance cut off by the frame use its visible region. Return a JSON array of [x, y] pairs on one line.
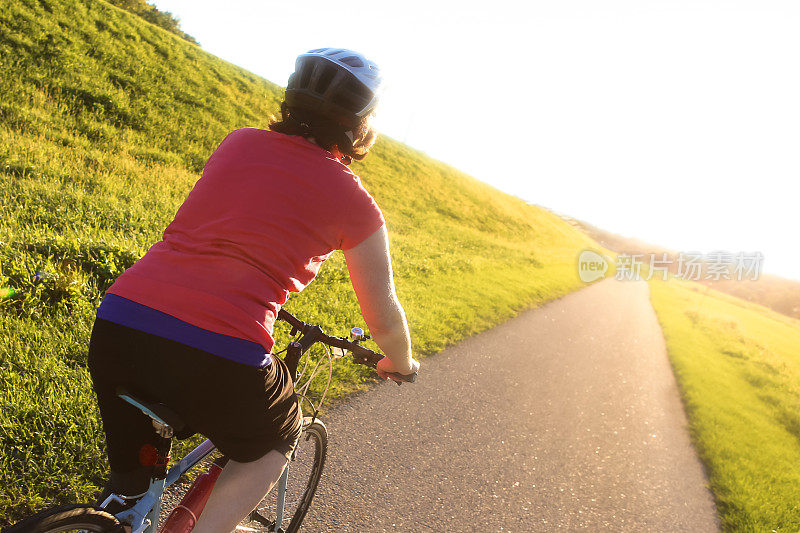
[[144, 516]]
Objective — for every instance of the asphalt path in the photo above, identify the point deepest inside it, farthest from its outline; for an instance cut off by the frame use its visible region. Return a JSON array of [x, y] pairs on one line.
[[564, 418]]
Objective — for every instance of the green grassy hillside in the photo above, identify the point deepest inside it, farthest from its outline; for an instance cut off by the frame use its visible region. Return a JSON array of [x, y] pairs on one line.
[[106, 122], [738, 368]]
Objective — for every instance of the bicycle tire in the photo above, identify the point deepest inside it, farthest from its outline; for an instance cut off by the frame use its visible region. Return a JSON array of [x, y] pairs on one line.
[[305, 472], [69, 518]]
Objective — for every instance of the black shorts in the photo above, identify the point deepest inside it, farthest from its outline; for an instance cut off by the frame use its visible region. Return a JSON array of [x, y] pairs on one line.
[[244, 410]]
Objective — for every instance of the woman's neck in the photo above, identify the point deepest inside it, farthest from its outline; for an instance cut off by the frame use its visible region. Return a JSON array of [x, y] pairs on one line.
[[334, 150]]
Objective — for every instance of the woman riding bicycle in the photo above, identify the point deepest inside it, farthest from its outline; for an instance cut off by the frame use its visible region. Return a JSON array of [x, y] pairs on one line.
[[190, 324]]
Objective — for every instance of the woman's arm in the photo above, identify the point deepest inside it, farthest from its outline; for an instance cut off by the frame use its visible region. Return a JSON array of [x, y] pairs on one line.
[[371, 274]]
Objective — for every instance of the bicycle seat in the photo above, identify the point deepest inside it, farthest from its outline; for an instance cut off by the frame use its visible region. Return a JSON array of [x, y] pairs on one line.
[[157, 411]]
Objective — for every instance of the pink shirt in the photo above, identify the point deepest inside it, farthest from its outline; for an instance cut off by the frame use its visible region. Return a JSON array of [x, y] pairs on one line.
[[267, 212]]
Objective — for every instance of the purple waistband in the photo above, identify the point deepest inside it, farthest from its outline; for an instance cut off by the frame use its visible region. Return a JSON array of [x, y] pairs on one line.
[[137, 316]]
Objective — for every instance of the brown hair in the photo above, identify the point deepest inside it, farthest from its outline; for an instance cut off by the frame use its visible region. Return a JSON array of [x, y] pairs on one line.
[[326, 132]]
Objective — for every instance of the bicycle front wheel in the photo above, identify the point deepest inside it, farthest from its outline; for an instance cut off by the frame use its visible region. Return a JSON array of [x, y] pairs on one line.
[[305, 471], [77, 518]]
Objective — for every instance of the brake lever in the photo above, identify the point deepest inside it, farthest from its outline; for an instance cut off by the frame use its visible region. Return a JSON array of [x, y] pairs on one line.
[[338, 353]]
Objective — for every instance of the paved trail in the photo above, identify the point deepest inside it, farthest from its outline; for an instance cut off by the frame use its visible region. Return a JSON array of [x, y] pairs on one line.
[[566, 417]]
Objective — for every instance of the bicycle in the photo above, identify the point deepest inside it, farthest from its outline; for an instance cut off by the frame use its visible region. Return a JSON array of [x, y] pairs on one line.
[[290, 503]]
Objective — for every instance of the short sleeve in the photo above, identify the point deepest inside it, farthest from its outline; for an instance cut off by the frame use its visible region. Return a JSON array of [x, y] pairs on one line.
[[361, 217]]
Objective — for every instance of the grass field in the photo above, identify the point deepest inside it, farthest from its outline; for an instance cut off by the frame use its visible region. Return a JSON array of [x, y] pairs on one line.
[[105, 124], [738, 368]]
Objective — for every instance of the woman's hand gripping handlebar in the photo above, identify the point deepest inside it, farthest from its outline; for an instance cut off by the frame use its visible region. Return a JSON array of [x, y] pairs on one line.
[[310, 334]]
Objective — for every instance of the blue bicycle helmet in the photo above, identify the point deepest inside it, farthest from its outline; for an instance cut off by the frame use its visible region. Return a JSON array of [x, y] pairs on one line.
[[336, 83]]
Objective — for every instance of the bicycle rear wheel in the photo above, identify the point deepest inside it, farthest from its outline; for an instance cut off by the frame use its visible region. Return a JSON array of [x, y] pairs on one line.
[[305, 471], [77, 518]]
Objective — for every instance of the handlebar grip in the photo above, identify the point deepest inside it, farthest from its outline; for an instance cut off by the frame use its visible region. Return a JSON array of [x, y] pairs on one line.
[[365, 356]]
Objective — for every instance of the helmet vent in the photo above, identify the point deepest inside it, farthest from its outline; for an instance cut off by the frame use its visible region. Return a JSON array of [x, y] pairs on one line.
[[325, 79], [305, 76], [353, 61]]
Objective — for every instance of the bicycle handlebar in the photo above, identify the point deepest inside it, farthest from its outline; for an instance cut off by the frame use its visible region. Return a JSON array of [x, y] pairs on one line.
[[311, 334]]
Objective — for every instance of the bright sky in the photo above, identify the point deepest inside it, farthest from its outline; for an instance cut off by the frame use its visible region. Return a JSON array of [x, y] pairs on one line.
[[677, 122]]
